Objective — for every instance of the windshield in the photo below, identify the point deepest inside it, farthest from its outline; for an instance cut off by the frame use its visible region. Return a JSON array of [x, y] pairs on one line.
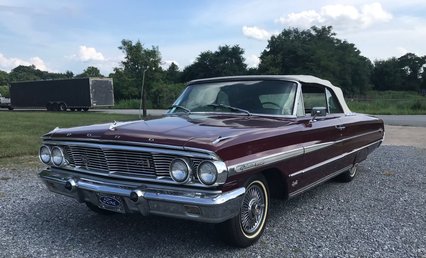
[[244, 97]]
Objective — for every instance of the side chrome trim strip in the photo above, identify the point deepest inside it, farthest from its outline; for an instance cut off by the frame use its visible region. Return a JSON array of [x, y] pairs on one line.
[[359, 135], [266, 160], [323, 179], [318, 146], [332, 159], [281, 156]]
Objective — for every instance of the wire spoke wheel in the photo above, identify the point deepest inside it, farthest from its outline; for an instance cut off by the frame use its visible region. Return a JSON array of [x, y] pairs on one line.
[[253, 209], [246, 228]]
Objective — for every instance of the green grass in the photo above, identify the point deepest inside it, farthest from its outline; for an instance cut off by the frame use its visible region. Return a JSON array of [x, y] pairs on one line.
[[389, 103], [127, 104], [20, 132]]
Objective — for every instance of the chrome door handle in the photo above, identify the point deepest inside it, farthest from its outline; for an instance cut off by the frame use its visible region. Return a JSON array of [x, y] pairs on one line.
[[340, 127]]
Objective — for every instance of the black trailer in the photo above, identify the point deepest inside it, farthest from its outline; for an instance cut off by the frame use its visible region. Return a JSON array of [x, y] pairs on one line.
[[60, 95]]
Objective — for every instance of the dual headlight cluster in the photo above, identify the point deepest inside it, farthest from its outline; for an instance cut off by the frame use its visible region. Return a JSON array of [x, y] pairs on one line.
[[208, 172], [52, 156]]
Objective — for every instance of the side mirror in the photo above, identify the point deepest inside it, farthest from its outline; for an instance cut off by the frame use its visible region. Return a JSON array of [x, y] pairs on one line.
[[317, 111]]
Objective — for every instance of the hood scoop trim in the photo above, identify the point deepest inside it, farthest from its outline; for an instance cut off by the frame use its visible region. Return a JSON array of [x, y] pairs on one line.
[[220, 138]]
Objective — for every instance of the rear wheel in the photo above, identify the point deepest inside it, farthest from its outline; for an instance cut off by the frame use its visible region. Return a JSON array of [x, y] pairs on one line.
[[247, 227], [62, 107], [98, 210], [349, 175], [85, 109]]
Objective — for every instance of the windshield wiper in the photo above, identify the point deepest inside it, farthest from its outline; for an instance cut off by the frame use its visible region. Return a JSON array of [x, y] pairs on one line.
[[231, 107], [181, 107]]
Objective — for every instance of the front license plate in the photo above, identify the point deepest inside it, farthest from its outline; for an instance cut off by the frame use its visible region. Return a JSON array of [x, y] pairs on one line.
[[111, 202]]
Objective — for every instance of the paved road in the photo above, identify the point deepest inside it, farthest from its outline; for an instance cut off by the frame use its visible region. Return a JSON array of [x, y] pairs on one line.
[[405, 120], [150, 112]]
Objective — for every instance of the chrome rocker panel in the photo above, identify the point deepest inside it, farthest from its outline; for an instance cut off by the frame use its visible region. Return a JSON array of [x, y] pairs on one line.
[[203, 206]]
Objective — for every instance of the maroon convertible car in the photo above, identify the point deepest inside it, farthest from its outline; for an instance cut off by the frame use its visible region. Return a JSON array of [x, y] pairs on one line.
[[225, 147]]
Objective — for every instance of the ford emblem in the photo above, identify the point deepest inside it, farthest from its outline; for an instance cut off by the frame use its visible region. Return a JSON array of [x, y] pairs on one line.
[[109, 201]]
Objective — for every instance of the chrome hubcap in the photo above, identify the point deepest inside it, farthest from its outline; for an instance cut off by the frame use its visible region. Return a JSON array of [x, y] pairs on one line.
[[253, 209]]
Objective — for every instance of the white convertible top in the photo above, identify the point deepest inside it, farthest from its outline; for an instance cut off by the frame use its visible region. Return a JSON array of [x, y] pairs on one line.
[[316, 80], [300, 78]]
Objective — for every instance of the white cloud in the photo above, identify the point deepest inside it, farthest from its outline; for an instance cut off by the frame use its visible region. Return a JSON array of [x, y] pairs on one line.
[[256, 33], [8, 63], [90, 54], [402, 51], [340, 16], [38, 63], [252, 61]]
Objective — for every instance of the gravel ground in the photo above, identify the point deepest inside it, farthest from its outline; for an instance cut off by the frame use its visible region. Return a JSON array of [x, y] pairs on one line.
[[379, 214]]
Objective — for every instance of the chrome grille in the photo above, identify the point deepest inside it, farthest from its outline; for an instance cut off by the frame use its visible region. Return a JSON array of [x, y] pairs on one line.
[[130, 163], [127, 163], [87, 158], [162, 164]]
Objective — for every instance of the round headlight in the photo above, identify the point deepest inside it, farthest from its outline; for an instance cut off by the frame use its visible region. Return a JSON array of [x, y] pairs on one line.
[[180, 170], [207, 173], [44, 154], [57, 156]]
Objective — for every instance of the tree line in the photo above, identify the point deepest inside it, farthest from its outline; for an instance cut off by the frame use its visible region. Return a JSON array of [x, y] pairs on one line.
[[315, 51]]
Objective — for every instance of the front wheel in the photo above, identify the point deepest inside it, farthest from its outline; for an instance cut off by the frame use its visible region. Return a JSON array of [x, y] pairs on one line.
[[247, 227]]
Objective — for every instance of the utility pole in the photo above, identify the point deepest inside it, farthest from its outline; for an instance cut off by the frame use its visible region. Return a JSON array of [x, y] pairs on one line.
[[142, 95]]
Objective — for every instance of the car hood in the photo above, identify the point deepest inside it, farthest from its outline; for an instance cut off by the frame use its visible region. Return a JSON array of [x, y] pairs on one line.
[[183, 131]]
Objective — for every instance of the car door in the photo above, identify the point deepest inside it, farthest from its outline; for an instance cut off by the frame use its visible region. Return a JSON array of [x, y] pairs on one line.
[[322, 137]]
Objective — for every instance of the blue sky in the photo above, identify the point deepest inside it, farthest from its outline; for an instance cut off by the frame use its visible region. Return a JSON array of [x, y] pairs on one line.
[[72, 35]]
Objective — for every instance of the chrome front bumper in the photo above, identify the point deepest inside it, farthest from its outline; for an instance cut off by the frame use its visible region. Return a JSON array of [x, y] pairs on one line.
[[178, 202]]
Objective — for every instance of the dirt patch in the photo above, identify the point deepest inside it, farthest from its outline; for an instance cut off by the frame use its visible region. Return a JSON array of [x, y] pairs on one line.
[[405, 136]]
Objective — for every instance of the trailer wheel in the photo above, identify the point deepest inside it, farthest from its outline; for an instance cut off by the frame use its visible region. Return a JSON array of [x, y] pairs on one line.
[[10, 108], [62, 107], [85, 109], [72, 109]]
